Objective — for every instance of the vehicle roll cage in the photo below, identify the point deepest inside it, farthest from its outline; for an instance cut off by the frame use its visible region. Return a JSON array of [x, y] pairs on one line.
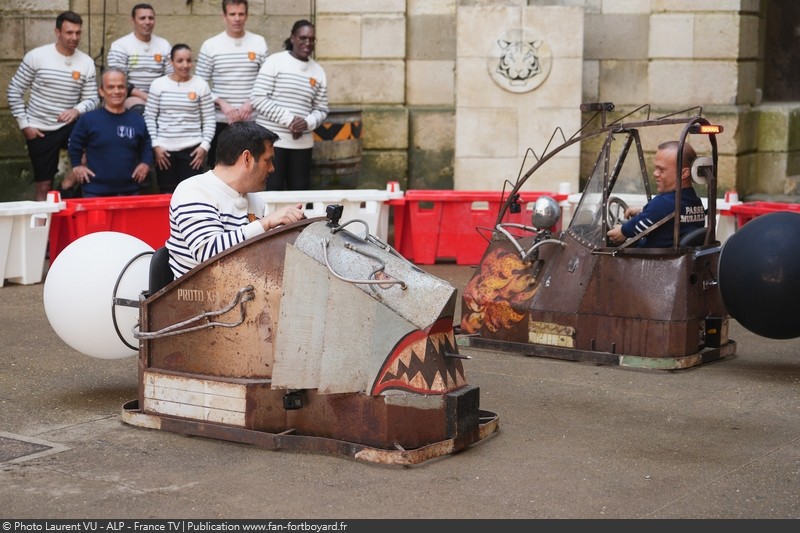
[[694, 123]]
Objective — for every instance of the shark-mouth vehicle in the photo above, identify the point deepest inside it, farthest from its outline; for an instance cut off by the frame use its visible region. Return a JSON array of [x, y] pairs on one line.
[[577, 296], [309, 337]]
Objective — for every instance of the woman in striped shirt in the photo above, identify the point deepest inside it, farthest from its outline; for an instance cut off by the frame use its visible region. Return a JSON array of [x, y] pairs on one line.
[[180, 118], [291, 97]]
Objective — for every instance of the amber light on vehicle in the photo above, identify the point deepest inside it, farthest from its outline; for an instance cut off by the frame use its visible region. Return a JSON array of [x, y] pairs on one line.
[[706, 129]]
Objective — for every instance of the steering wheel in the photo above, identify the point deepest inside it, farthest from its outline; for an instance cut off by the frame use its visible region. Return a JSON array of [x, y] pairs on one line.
[[615, 211]]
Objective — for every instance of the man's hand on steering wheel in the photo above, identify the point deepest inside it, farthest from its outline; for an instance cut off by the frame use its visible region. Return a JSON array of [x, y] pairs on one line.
[[632, 212], [615, 210], [615, 235]]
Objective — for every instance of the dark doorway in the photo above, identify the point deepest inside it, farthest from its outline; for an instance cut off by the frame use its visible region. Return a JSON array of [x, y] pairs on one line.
[[782, 51]]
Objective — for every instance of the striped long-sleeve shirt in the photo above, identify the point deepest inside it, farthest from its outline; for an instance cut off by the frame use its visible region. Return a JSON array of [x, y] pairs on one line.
[[180, 115], [56, 83], [143, 61], [287, 87], [206, 217], [230, 67]]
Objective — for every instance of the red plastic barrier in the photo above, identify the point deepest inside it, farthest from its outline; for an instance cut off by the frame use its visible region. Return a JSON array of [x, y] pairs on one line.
[[747, 211], [431, 225], [144, 217]]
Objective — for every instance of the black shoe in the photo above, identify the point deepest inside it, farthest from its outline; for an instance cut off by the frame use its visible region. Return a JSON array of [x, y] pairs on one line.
[[72, 192]]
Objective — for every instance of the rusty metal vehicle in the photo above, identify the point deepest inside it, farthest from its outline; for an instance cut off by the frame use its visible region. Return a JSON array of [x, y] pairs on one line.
[[575, 295], [309, 337]]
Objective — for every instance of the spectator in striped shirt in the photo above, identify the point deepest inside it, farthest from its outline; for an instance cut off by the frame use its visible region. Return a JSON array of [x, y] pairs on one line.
[[61, 84], [211, 212], [229, 62], [291, 97], [142, 55], [180, 118]]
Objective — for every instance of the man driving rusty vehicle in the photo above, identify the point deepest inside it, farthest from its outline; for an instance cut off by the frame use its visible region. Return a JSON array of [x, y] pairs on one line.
[[640, 219], [211, 212]]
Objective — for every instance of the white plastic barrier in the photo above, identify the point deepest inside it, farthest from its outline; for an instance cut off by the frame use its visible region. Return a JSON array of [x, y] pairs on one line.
[[24, 228], [368, 205], [726, 221]]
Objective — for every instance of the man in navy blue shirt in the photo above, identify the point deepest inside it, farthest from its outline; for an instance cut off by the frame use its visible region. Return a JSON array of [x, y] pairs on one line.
[[110, 148], [692, 212]]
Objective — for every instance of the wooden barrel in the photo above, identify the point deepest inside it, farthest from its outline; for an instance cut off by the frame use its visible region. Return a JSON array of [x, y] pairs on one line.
[[336, 159]]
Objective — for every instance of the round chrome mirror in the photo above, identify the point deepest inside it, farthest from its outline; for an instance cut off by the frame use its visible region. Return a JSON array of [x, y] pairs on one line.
[[546, 212]]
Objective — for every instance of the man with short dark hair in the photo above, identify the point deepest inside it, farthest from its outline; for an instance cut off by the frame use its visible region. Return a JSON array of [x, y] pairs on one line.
[[211, 212], [229, 62], [142, 55], [62, 85]]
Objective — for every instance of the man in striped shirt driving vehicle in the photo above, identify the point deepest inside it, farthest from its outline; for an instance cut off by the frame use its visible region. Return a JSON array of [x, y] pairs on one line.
[[211, 212]]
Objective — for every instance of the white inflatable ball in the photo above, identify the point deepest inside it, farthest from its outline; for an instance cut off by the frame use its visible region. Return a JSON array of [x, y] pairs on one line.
[[79, 293]]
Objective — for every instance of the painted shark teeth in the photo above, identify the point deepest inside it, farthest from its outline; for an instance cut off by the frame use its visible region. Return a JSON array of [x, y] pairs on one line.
[[418, 364]]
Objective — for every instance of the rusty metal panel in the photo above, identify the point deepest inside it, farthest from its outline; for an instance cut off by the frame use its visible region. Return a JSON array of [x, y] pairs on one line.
[[511, 300], [497, 299], [632, 336], [248, 349], [381, 421], [704, 297], [563, 279], [627, 286]]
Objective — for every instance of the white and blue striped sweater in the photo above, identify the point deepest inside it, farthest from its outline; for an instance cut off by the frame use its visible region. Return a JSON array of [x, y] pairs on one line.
[[206, 217], [287, 87], [56, 83], [180, 115]]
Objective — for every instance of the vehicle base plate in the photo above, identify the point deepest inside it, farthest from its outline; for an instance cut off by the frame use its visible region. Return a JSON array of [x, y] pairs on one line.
[[706, 355], [488, 425]]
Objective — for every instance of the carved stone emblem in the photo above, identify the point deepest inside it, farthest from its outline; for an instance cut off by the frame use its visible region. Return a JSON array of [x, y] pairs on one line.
[[519, 61]]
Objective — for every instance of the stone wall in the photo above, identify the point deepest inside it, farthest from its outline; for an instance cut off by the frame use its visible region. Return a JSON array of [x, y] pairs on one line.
[[506, 108], [434, 118], [677, 54]]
